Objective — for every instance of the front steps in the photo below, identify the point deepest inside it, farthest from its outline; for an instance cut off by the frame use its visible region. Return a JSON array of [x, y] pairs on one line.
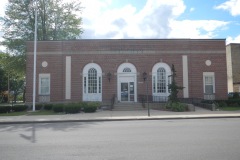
[[128, 106]]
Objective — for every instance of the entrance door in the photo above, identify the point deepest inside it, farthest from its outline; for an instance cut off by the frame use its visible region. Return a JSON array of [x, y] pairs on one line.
[[127, 91]]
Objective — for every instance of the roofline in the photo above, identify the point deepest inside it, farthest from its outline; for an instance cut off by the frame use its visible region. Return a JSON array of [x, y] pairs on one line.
[[170, 39]]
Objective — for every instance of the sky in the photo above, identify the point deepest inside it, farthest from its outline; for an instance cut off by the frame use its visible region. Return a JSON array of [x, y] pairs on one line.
[[159, 19]]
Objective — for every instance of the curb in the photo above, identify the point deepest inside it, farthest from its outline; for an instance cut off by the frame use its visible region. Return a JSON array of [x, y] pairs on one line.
[[120, 119]]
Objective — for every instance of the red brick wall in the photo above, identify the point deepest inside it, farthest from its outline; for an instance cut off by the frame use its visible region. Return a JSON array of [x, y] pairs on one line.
[[138, 52]]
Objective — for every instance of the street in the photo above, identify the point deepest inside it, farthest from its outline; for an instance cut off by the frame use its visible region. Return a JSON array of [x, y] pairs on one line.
[[193, 139]]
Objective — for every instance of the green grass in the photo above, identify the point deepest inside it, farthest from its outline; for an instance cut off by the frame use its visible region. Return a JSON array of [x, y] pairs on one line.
[[13, 114], [43, 112], [28, 113], [230, 108]]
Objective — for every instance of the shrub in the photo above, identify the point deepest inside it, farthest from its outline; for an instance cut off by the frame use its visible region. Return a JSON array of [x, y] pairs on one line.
[[178, 107], [91, 107], [19, 108], [5, 109], [235, 95], [58, 107], [222, 104], [82, 104], [38, 106], [72, 108], [48, 106]]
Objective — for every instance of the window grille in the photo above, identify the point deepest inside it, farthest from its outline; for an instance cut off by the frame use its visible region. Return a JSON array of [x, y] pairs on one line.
[[92, 80], [126, 70], [161, 80]]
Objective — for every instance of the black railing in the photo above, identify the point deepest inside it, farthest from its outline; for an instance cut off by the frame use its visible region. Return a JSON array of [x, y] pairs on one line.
[[152, 99]]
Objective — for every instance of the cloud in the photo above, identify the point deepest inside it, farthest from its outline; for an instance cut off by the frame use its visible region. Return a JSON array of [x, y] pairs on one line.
[[233, 6], [192, 9], [157, 19], [233, 40], [152, 21], [196, 28]]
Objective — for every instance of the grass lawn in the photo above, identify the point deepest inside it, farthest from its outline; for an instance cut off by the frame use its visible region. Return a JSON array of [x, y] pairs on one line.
[[230, 108], [27, 113], [43, 112], [13, 114]]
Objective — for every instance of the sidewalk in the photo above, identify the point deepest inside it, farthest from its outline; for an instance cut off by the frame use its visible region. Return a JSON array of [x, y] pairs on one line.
[[105, 115]]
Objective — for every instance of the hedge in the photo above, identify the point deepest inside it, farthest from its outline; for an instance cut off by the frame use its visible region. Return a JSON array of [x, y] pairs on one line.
[[91, 107], [48, 106], [5, 109], [72, 108], [19, 108], [58, 107]]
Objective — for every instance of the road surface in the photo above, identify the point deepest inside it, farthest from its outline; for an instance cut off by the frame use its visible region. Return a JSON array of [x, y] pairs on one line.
[[203, 139]]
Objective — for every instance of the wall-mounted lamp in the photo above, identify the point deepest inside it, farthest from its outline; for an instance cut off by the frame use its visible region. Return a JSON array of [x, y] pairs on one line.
[[144, 76], [109, 76]]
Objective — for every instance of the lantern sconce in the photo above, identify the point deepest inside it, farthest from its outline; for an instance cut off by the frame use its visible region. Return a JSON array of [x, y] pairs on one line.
[[109, 76], [144, 76]]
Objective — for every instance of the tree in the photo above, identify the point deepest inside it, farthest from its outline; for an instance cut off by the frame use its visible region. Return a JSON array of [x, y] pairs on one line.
[[12, 75], [56, 21], [174, 88]]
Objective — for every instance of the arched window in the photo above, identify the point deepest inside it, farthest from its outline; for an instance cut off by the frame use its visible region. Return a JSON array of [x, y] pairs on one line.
[[92, 82], [160, 80]]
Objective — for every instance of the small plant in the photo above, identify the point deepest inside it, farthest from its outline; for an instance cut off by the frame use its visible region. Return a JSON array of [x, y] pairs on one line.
[[19, 108], [5, 109]]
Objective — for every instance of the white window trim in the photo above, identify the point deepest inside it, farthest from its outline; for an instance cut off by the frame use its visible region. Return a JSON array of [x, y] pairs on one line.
[[45, 75], [208, 74]]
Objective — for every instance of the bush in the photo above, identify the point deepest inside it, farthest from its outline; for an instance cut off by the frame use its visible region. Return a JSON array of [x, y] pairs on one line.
[[91, 107], [72, 108], [19, 108], [5, 109], [48, 106], [58, 107], [38, 106], [222, 104], [82, 104], [178, 107]]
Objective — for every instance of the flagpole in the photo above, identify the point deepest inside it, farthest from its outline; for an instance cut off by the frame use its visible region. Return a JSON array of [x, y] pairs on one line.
[[35, 57]]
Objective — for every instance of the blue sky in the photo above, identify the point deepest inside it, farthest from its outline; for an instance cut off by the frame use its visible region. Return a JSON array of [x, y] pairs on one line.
[[117, 19]]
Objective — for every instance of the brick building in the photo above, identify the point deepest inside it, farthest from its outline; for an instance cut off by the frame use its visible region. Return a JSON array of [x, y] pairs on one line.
[[233, 67], [95, 70]]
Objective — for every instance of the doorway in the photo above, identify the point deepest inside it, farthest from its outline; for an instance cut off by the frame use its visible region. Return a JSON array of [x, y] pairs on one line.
[[127, 92]]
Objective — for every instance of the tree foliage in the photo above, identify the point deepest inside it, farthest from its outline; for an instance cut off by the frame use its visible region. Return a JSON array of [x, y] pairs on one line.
[[56, 21], [174, 88], [11, 74]]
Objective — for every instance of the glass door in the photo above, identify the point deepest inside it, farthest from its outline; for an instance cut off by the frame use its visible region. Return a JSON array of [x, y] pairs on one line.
[[131, 93], [124, 91]]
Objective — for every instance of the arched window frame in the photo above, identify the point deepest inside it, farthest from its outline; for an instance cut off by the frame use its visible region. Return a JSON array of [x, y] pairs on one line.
[[161, 79], [92, 79]]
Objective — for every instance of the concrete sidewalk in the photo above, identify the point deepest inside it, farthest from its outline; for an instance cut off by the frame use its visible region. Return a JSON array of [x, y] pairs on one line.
[[105, 115]]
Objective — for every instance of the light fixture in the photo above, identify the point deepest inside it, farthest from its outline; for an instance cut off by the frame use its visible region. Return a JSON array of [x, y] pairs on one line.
[[144, 76], [109, 76]]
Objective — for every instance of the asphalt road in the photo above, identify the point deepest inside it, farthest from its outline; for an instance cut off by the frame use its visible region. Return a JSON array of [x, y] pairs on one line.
[[203, 139]]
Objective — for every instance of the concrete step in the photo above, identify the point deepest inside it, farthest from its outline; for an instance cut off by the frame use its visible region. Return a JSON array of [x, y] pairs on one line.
[[128, 106]]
